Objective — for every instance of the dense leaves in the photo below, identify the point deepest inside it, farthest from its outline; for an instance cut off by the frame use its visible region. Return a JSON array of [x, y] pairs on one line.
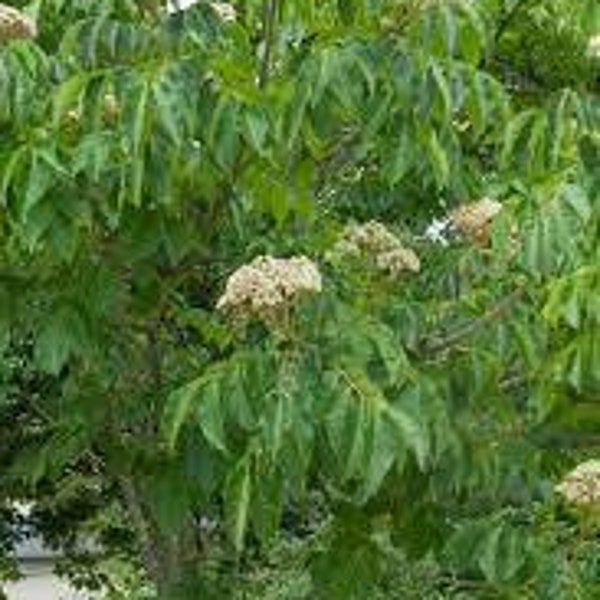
[[416, 421]]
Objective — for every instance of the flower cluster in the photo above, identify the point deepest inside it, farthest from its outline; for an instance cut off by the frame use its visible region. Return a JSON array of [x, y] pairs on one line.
[[437, 231], [268, 286], [581, 486], [15, 25], [224, 10], [473, 220], [375, 242], [593, 47]]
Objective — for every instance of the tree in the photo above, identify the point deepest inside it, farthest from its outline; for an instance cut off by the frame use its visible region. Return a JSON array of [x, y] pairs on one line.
[[422, 383]]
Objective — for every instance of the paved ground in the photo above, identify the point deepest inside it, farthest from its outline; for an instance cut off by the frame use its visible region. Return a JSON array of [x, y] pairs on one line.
[[40, 584]]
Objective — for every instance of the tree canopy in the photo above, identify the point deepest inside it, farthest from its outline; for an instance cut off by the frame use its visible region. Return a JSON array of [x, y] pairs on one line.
[[302, 299]]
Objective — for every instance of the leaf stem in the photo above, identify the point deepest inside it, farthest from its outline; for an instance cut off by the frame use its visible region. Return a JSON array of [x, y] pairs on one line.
[[436, 344], [269, 16]]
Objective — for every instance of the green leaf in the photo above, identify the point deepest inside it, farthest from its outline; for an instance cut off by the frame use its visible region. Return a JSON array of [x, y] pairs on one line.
[[69, 94], [168, 493], [39, 181], [450, 29], [385, 452], [177, 409], [210, 414], [391, 352], [438, 160], [267, 504], [501, 553], [237, 501], [63, 333], [443, 104], [7, 310], [19, 156], [472, 38], [487, 553], [165, 102], [399, 159], [223, 133], [479, 108], [238, 403], [297, 111], [137, 173], [358, 425], [276, 423], [256, 127], [345, 432], [140, 118], [513, 135], [411, 433], [577, 198]]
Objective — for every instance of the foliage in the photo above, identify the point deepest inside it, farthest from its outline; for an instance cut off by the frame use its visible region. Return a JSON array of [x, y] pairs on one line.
[[547, 42], [146, 155]]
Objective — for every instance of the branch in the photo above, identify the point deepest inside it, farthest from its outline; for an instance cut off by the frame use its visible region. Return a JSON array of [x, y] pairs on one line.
[[269, 15], [456, 584], [154, 356], [151, 555], [556, 439], [437, 344]]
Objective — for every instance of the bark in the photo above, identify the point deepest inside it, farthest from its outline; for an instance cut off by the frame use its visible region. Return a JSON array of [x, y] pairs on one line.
[[160, 553]]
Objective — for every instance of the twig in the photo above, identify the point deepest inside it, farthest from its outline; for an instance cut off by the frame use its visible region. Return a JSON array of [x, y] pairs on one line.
[[456, 584], [269, 16], [138, 520], [438, 344]]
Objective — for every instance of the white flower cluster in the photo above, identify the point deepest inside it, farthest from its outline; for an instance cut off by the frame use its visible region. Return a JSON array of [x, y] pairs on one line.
[[224, 10], [581, 486], [376, 242], [473, 220], [15, 25], [436, 231], [593, 47], [267, 286]]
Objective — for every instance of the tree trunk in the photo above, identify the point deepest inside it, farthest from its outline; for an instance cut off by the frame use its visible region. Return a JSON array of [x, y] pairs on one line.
[[160, 554]]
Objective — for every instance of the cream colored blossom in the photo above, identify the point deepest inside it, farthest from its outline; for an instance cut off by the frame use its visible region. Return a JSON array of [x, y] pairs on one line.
[[375, 242], [268, 285], [174, 6], [15, 25], [224, 10], [593, 47], [473, 220], [397, 261], [581, 486], [373, 237]]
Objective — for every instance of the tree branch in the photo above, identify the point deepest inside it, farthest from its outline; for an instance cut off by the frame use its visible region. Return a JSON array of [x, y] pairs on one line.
[[150, 553], [269, 16], [436, 344]]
